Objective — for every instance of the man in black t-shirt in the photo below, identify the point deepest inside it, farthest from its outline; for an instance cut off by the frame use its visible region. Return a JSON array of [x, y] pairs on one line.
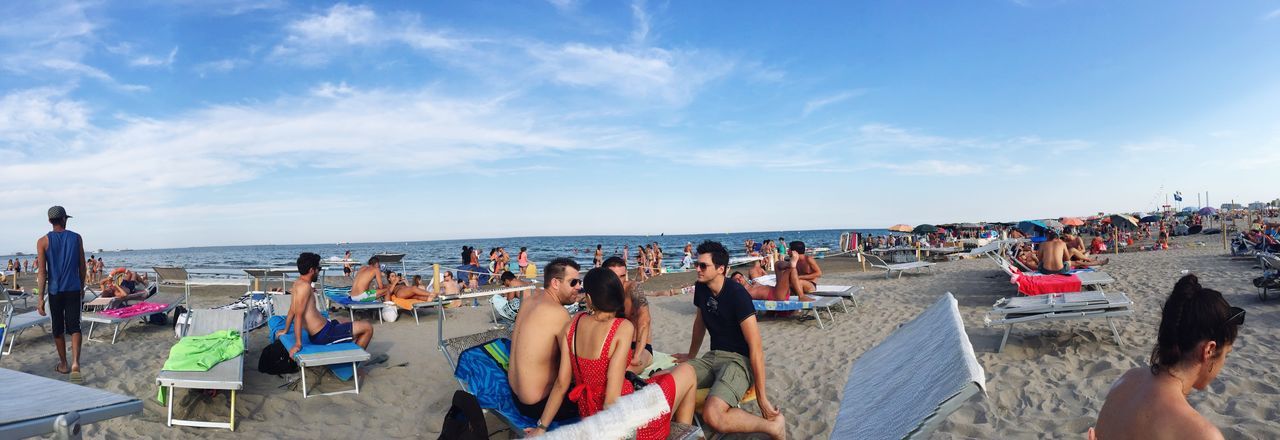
[[737, 356]]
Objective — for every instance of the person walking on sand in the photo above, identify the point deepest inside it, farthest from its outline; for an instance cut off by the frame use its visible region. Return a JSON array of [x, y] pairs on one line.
[[61, 254], [1197, 330]]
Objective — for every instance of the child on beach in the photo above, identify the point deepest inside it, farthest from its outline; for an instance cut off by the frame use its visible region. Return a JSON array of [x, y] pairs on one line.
[[1197, 330]]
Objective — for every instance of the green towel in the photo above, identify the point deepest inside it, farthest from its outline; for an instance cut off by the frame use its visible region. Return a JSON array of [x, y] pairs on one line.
[[200, 353]]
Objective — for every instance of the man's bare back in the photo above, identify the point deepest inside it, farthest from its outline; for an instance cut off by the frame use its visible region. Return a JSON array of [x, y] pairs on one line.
[[535, 356], [1142, 405], [368, 279], [303, 312], [1053, 255]]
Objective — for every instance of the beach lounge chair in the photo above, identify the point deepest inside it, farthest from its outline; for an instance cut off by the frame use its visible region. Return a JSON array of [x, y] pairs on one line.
[[1059, 307], [1089, 278], [341, 358], [122, 316], [908, 384], [54, 406], [845, 293], [795, 304], [900, 268], [16, 323], [341, 297], [226, 375], [23, 295]]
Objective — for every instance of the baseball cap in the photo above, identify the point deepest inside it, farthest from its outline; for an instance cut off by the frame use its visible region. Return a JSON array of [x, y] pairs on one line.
[[58, 212]]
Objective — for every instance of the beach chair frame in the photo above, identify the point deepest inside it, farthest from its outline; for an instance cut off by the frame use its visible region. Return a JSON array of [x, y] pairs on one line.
[[203, 322], [901, 268]]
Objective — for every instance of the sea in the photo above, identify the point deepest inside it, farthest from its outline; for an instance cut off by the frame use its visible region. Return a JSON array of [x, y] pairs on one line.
[[420, 255]]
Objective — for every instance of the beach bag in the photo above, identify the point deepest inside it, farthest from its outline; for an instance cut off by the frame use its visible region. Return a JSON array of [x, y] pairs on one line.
[[465, 419], [390, 312], [157, 319], [181, 320], [275, 360]]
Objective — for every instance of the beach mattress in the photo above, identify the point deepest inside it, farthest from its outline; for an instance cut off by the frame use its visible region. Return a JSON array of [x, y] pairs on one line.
[[794, 304], [343, 371], [483, 369]]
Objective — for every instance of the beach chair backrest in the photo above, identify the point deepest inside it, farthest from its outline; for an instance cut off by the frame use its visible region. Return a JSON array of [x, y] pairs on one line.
[[908, 384], [280, 304], [171, 275], [206, 321], [876, 261]]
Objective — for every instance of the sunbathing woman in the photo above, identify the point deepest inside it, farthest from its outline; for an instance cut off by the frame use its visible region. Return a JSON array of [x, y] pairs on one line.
[[788, 284], [400, 290], [1197, 329]]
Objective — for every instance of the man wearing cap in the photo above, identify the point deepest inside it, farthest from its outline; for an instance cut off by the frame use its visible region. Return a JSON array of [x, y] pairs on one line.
[[61, 264]]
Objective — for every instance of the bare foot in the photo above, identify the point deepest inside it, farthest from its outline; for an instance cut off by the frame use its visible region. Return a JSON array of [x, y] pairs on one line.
[[778, 427]]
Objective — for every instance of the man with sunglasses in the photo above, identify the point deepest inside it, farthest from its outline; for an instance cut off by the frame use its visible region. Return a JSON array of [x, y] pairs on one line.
[[736, 359], [535, 355]]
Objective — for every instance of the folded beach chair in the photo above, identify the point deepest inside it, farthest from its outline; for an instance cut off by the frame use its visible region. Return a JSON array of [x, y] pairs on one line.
[[1059, 307], [341, 358], [795, 304], [908, 384], [845, 293], [16, 323], [900, 268], [122, 316], [226, 375], [49, 406]]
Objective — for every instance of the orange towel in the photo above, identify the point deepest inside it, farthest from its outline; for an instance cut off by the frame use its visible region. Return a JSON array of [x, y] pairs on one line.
[[404, 303]]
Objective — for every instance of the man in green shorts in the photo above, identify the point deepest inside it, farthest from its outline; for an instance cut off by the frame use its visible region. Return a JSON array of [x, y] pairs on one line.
[[736, 358], [368, 282]]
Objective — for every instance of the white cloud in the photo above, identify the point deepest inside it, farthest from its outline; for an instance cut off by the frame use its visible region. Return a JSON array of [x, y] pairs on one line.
[[640, 33], [673, 76], [331, 90], [564, 5], [1272, 15], [1162, 145], [931, 168], [150, 61], [38, 116], [317, 38], [818, 103], [219, 66]]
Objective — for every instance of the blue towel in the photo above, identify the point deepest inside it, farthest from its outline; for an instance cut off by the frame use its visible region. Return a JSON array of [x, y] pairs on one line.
[[343, 371], [487, 380], [343, 296], [781, 306]]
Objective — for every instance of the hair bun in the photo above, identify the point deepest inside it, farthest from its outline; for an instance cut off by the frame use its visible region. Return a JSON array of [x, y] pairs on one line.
[[1187, 286]]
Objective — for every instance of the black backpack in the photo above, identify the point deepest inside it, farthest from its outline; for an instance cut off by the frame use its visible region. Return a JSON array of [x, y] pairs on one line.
[[275, 360], [465, 419]]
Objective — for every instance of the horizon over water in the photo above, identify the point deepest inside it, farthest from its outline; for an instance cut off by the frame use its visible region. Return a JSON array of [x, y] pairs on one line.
[[229, 260]]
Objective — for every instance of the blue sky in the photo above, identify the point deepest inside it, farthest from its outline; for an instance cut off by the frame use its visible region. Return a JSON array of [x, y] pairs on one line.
[[193, 122]]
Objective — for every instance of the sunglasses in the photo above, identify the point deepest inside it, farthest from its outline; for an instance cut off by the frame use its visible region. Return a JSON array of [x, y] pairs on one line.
[[1237, 316], [574, 282], [701, 266]]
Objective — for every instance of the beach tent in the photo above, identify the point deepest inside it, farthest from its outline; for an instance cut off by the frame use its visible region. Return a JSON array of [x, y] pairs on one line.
[[900, 228], [1123, 221], [1030, 226]]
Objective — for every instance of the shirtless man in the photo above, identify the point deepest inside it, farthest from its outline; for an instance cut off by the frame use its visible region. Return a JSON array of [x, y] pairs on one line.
[[401, 290], [304, 316], [366, 279], [599, 257], [636, 309], [788, 283], [511, 280], [1151, 402], [1053, 255], [535, 355], [806, 267]]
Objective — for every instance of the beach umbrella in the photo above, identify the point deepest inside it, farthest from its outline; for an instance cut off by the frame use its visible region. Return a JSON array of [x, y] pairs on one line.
[[1072, 221], [925, 229], [1053, 224], [1121, 220], [900, 228], [1150, 219], [1186, 213], [1207, 210], [1031, 226]]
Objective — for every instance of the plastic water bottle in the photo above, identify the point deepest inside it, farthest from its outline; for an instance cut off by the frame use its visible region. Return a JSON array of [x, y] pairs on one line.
[[475, 302]]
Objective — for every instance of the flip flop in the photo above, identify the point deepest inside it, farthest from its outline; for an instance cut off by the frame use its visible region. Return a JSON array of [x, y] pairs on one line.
[[806, 318], [77, 377], [376, 359], [56, 370]]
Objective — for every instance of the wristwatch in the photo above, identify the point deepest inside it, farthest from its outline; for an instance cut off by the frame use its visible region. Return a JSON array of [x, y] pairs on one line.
[[541, 426]]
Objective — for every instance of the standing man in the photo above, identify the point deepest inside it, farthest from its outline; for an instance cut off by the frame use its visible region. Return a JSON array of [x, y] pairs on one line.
[[736, 359], [346, 265], [61, 254]]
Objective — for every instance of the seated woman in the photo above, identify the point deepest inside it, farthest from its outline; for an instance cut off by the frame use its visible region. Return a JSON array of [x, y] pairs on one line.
[[400, 290], [1097, 246], [1197, 330], [788, 284], [593, 358], [1078, 258]]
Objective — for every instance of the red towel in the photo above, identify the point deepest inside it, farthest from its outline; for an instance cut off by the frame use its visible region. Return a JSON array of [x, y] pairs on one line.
[[1043, 284], [142, 308]]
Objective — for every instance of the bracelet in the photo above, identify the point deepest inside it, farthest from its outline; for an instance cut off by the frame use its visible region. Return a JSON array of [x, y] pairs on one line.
[[541, 426]]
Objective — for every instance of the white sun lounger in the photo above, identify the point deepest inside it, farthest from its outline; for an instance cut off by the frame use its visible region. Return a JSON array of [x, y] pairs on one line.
[[830, 290], [1095, 279], [795, 304], [227, 375], [280, 305], [908, 384], [24, 295], [54, 406], [900, 268], [170, 301], [1060, 307], [16, 323]]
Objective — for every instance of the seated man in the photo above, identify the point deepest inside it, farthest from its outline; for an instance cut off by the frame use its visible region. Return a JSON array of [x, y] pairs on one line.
[[535, 354], [1078, 258], [1053, 256], [756, 271], [368, 282], [636, 308], [511, 280], [788, 284], [736, 359], [399, 289], [806, 267], [305, 317]]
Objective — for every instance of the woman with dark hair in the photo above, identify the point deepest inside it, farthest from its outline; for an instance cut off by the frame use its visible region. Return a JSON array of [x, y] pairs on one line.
[[594, 354], [1197, 330]]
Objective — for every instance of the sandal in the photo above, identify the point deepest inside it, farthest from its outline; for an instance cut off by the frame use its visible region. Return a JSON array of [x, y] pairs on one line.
[[77, 377], [56, 370]]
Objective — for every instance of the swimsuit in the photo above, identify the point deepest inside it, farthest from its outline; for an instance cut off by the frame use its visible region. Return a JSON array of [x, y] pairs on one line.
[[333, 332]]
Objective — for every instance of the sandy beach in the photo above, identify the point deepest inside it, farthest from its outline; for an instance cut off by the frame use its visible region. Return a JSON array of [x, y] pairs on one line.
[[1049, 382]]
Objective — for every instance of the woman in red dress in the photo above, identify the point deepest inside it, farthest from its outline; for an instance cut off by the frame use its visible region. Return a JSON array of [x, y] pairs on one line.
[[594, 353]]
